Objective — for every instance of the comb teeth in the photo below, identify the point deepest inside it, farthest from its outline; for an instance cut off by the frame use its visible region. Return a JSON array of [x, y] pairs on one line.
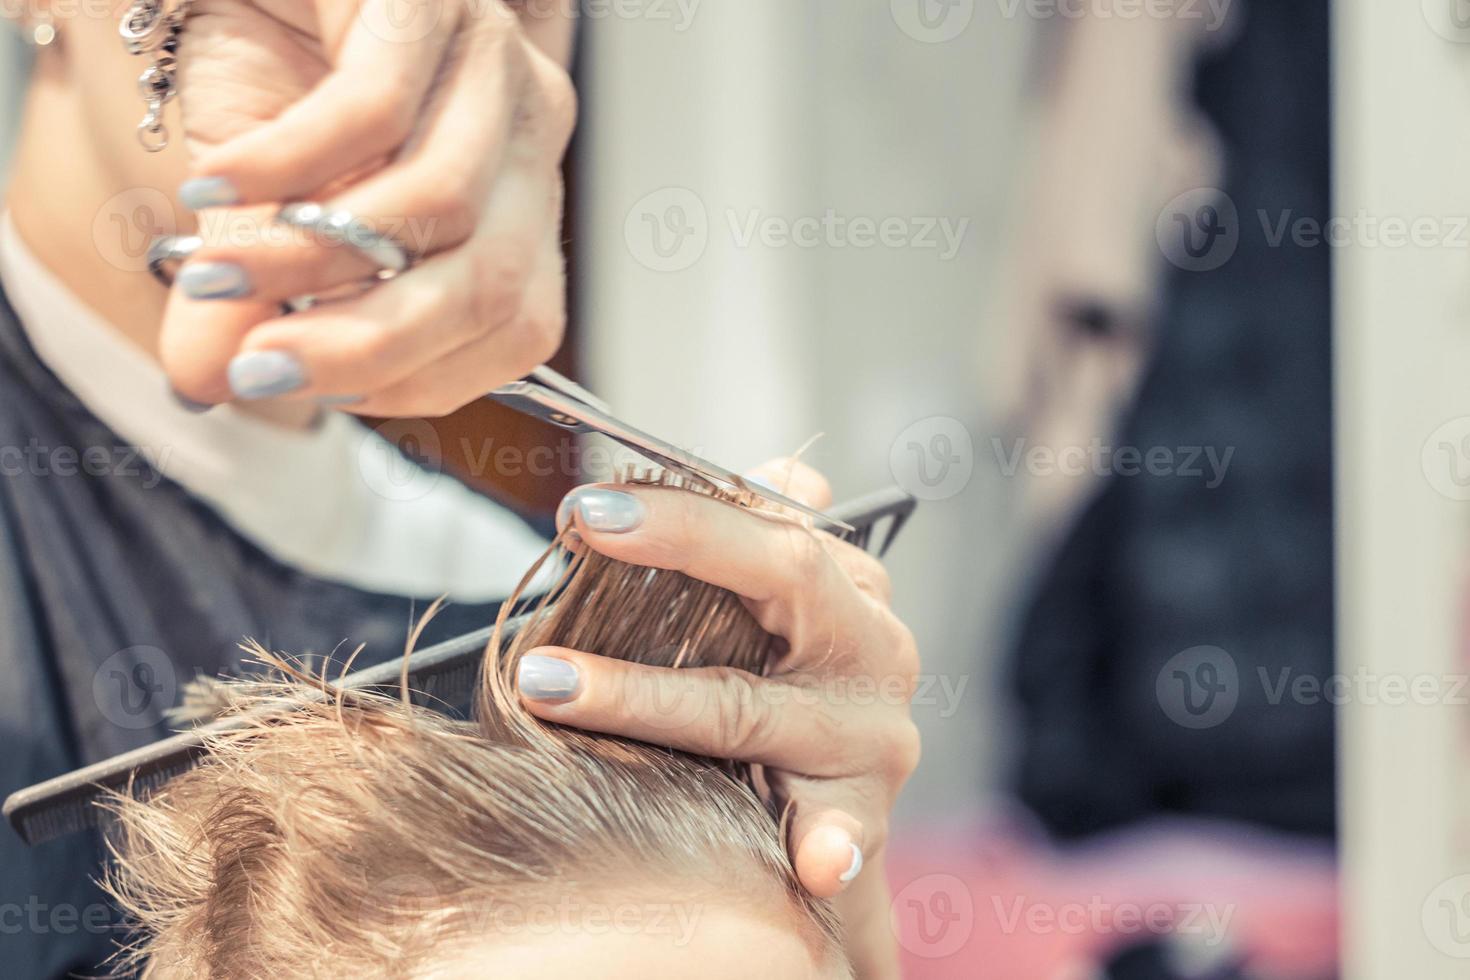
[[445, 675], [49, 819]]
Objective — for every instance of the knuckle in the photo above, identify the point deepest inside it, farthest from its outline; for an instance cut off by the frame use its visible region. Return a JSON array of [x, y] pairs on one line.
[[745, 720], [500, 278], [903, 649], [387, 117], [875, 836], [902, 751], [560, 97], [869, 575], [807, 559], [451, 206], [367, 355]]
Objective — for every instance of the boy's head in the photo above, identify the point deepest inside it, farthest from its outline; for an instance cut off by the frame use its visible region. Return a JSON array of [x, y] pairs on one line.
[[357, 835]]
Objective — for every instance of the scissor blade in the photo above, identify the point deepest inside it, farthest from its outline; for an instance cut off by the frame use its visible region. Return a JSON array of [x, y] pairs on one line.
[[576, 415]]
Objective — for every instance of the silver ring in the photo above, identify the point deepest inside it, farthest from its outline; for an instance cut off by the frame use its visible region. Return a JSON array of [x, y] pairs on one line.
[[166, 254], [341, 227]]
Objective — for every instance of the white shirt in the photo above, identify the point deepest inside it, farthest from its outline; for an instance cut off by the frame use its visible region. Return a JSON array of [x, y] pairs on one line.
[[337, 501]]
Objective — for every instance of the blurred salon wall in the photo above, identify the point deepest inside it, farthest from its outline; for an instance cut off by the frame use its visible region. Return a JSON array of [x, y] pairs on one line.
[[737, 157]]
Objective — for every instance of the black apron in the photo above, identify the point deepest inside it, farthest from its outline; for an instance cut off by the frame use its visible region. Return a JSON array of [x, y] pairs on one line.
[[116, 587]]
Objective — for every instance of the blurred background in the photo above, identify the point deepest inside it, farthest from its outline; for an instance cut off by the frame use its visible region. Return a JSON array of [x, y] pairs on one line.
[[1065, 271]]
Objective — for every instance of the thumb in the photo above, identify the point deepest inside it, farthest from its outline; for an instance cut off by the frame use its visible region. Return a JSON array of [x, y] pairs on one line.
[[827, 849]]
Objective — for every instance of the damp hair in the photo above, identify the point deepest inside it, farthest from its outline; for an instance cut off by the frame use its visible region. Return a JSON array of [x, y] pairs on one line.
[[358, 833]]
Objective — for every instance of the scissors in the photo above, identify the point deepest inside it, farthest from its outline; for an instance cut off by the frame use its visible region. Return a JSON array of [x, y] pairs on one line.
[[547, 395]]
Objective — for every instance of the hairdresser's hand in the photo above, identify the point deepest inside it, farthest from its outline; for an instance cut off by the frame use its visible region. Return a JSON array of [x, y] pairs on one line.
[[440, 123], [830, 724]]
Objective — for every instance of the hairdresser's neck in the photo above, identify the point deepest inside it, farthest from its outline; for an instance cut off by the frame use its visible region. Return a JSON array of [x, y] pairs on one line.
[[64, 183]]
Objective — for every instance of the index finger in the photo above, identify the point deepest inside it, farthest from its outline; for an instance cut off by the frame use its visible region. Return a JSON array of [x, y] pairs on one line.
[[793, 585]]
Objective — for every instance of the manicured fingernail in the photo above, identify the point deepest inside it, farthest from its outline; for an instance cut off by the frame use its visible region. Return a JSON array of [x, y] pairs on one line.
[[189, 404], [214, 280], [547, 678], [609, 511], [265, 374], [854, 869], [208, 192], [340, 401]]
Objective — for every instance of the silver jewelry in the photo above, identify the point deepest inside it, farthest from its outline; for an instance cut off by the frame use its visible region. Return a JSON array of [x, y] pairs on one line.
[[149, 29], [166, 254], [341, 227], [41, 29]]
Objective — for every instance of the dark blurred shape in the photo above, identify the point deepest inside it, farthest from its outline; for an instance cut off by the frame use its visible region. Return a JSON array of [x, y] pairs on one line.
[[1158, 565], [1151, 962]]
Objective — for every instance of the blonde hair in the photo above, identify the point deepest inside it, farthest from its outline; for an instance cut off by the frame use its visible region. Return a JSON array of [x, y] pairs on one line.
[[358, 834]]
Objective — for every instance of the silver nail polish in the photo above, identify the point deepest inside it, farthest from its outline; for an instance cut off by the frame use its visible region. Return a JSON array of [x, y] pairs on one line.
[[547, 678], [208, 192], [189, 404], [608, 511], [214, 280], [854, 869], [266, 374]]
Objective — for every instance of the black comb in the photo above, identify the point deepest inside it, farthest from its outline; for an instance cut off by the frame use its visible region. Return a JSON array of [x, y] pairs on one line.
[[443, 674]]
